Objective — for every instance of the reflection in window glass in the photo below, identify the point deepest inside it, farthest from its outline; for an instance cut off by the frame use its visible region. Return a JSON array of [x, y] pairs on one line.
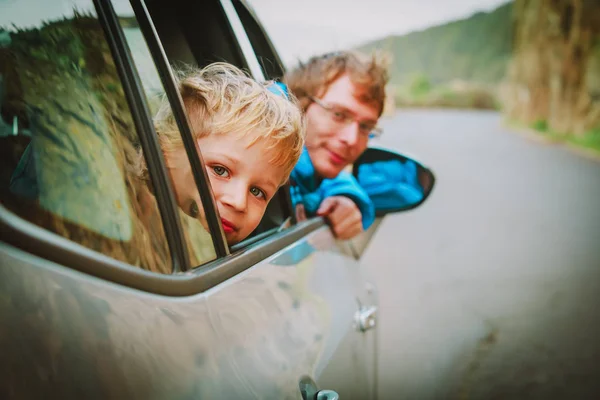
[[143, 60], [199, 240], [68, 147]]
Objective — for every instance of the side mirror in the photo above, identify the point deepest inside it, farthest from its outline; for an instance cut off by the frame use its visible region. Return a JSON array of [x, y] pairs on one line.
[[394, 182]]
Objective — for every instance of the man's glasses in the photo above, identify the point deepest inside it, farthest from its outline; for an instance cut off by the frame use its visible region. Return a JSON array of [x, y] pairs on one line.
[[343, 118]]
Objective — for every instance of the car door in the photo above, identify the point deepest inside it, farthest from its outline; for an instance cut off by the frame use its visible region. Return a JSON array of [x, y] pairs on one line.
[[349, 360], [356, 354], [103, 291]]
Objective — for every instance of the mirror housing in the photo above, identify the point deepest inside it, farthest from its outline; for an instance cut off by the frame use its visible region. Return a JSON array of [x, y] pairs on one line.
[[393, 181]]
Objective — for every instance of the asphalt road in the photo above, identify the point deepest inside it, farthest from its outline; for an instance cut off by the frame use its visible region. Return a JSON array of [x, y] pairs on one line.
[[491, 289]]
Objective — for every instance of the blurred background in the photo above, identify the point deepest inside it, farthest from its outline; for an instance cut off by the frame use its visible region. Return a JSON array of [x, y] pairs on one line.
[[538, 61], [490, 289]]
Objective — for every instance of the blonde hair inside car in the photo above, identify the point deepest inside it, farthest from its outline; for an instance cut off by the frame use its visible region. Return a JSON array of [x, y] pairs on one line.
[[258, 129], [221, 99]]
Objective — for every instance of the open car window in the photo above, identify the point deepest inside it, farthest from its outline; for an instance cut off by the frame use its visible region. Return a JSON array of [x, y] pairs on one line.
[[196, 234], [263, 48], [198, 34]]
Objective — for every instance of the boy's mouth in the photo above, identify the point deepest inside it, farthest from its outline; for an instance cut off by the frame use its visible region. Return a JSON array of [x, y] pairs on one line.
[[228, 227]]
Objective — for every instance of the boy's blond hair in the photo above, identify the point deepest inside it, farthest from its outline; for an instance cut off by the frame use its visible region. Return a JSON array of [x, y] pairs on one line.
[[368, 72], [222, 99]]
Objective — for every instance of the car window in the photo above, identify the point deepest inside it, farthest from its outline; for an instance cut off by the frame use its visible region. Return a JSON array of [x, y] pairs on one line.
[[195, 32], [200, 245], [70, 153], [279, 210]]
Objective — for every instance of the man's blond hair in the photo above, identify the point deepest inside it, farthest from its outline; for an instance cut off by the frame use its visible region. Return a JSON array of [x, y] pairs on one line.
[[368, 73], [221, 99]]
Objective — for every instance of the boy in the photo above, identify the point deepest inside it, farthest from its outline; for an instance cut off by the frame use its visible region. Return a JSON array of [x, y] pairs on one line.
[[250, 137]]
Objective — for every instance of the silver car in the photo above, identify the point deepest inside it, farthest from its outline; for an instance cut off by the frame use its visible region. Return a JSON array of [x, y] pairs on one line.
[[287, 313]]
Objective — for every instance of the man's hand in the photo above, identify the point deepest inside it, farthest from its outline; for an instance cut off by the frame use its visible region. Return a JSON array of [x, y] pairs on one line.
[[343, 215]]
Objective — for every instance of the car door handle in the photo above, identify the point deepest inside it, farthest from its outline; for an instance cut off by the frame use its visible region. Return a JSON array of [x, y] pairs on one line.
[[322, 395], [365, 318], [327, 395], [309, 391]]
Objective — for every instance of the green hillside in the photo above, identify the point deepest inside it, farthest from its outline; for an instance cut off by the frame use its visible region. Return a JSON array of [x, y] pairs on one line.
[[476, 49]]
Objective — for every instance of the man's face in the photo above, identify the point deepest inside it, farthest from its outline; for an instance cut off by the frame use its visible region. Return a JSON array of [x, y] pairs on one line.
[[332, 141]]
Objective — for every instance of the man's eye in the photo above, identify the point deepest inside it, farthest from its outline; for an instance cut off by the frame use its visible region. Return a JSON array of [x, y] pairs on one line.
[[366, 129], [338, 115], [256, 192], [220, 171]]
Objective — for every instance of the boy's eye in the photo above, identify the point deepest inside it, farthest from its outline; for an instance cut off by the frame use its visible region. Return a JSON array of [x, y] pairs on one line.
[[220, 171], [256, 192]]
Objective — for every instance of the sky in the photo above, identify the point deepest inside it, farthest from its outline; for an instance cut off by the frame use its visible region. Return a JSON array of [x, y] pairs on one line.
[[298, 28], [301, 28]]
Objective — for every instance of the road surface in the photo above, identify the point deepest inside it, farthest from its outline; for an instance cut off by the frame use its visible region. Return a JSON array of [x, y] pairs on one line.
[[491, 289]]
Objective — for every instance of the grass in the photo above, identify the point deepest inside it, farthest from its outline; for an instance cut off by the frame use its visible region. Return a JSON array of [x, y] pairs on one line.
[[470, 97], [540, 125], [589, 140]]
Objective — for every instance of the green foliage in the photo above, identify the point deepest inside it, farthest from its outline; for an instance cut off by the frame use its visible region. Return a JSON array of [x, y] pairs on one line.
[[589, 140], [468, 97], [540, 125], [476, 49], [420, 85]]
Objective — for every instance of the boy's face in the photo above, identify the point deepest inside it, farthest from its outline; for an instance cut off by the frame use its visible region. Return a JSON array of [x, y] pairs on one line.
[[242, 179]]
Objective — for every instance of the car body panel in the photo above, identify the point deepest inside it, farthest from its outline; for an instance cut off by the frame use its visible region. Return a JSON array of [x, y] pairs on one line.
[[75, 323], [253, 336]]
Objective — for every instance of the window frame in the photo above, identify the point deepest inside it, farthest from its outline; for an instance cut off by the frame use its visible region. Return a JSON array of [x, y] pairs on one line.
[[62, 252], [142, 118], [191, 147], [260, 73], [267, 45], [54, 248], [239, 31]]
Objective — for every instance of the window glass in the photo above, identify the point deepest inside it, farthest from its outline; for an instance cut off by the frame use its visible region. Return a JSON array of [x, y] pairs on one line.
[[199, 241], [70, 160]]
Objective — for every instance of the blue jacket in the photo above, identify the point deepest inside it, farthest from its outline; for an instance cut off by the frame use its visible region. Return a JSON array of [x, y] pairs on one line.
[[307, 190]]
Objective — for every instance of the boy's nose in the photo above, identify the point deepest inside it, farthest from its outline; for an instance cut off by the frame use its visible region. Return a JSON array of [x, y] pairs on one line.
[[236, 197]]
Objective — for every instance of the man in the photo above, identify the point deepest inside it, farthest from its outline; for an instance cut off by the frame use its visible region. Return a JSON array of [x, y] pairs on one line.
[[342, 95]]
